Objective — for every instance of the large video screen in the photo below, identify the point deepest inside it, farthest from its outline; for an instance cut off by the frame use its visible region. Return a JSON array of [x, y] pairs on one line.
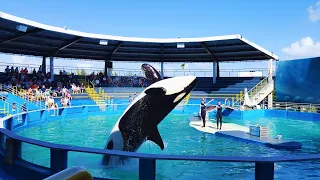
[[298, 81]]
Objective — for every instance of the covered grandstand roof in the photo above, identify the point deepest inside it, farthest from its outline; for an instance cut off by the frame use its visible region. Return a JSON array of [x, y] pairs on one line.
[[25, 37]]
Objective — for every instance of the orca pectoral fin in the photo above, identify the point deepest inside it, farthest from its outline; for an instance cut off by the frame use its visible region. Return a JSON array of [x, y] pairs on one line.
[[156, 91], [155, 137]]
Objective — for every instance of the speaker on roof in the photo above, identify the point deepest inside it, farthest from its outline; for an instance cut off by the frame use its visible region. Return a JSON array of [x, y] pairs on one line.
[[109, 64]]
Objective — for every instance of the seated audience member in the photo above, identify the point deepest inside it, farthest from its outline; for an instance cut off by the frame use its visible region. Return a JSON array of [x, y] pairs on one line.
[[82, 88], [59, 91], [68, 96], [14, 108]]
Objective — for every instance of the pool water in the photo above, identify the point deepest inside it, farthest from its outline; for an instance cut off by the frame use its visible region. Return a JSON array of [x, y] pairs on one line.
[[179, 138]]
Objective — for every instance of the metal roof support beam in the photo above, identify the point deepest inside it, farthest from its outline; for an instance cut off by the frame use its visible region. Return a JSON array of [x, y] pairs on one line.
[[213, 57], [114, 50], [69, 43], [20, 35], [161, 61]]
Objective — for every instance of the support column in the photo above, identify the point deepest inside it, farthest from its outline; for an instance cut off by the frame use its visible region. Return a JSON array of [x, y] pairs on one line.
[[44, 65], [106, 73], [214, 72], [162, 75], [51, 69], [218, 69], [270, 74], [270, 101], [264, 171]]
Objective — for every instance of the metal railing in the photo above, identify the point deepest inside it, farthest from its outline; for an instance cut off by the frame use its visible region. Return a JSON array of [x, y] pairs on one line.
[[255, 89], [36, 100], [130, 72], [301, 107], [264, 166]]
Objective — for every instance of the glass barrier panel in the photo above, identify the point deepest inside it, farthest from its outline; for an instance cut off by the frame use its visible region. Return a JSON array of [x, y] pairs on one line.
[[95, 165], [35, 154]]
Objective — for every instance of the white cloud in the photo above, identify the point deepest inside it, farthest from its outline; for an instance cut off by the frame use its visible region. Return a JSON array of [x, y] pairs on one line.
[[303, 48], [314, 12]]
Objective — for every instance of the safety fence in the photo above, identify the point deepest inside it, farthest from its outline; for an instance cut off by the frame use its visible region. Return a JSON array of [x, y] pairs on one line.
[[301, 107], [11, 151], [130, 72]]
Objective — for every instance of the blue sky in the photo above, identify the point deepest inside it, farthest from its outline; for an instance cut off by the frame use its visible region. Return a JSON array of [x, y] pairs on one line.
[[288, 28]]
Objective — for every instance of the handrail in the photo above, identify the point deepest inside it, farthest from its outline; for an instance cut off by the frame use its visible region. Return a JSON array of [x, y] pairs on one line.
[[89, 82], [128, 71], [14, 91], [151, 156], [252, 89]]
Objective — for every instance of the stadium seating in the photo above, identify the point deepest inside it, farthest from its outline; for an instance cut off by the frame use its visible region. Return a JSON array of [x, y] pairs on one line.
[[225, 85]]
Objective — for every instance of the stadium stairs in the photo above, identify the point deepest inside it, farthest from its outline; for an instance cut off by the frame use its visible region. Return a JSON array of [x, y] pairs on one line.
[[97, 97]]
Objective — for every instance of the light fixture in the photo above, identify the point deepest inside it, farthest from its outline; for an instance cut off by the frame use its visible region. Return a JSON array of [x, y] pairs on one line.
[[103, 42], [180, 45], [22, 28]]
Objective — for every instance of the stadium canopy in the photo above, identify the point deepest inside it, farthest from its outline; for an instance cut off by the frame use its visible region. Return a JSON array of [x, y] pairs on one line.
[[25, 37]]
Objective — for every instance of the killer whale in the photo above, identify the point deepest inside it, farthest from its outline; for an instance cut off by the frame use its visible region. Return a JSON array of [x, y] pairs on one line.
[[139, 121], [150, 73]]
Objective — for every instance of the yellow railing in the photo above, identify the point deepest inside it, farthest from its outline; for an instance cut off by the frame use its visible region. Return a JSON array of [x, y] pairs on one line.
[[96, 96], [6, 108], [253, 91], [104, 95], [38, 101]]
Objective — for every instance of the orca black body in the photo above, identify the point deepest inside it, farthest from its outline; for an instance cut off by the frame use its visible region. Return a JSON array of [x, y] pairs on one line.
[[139, 121], [150, 73]]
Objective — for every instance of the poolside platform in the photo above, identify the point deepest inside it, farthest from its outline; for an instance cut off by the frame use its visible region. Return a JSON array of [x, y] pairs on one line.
[[239, 132]]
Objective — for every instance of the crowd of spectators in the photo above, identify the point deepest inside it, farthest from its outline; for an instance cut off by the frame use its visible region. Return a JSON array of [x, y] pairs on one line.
[[38, 86], [100, 79]]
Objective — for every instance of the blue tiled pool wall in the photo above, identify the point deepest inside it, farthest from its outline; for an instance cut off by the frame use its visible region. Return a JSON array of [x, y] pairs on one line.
[[33, 118]]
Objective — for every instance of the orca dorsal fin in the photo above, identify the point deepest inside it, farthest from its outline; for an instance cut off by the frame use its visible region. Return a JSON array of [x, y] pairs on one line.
[[156, 91], [154, 136]]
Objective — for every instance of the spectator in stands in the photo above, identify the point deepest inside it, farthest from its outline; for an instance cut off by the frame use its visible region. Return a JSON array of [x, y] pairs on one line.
[[16, 71], [7, 70], [62, 101], [82, 88], [12, 70], [43, 89], [59, 91], [64, 91], [97, 82], [14, 108], [68, 95]]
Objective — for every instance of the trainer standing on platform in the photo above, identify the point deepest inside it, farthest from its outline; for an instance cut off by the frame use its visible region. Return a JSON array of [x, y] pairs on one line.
[[219, 115], [203, 112]]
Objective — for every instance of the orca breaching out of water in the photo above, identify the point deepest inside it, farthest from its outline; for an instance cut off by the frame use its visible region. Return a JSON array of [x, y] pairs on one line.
[[150, 73], [139, 121]]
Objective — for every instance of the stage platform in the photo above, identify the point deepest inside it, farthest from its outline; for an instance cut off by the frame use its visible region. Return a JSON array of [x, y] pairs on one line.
[[238, 132]]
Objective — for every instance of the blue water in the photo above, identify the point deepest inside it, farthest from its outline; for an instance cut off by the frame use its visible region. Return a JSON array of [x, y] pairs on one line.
[[179, 138]]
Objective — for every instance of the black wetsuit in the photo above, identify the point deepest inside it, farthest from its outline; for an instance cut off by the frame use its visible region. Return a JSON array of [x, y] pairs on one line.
[[203, 113], [219, 116]]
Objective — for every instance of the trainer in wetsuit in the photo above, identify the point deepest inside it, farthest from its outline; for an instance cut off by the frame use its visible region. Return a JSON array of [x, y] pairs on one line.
[[219, 115], [203, 113]]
